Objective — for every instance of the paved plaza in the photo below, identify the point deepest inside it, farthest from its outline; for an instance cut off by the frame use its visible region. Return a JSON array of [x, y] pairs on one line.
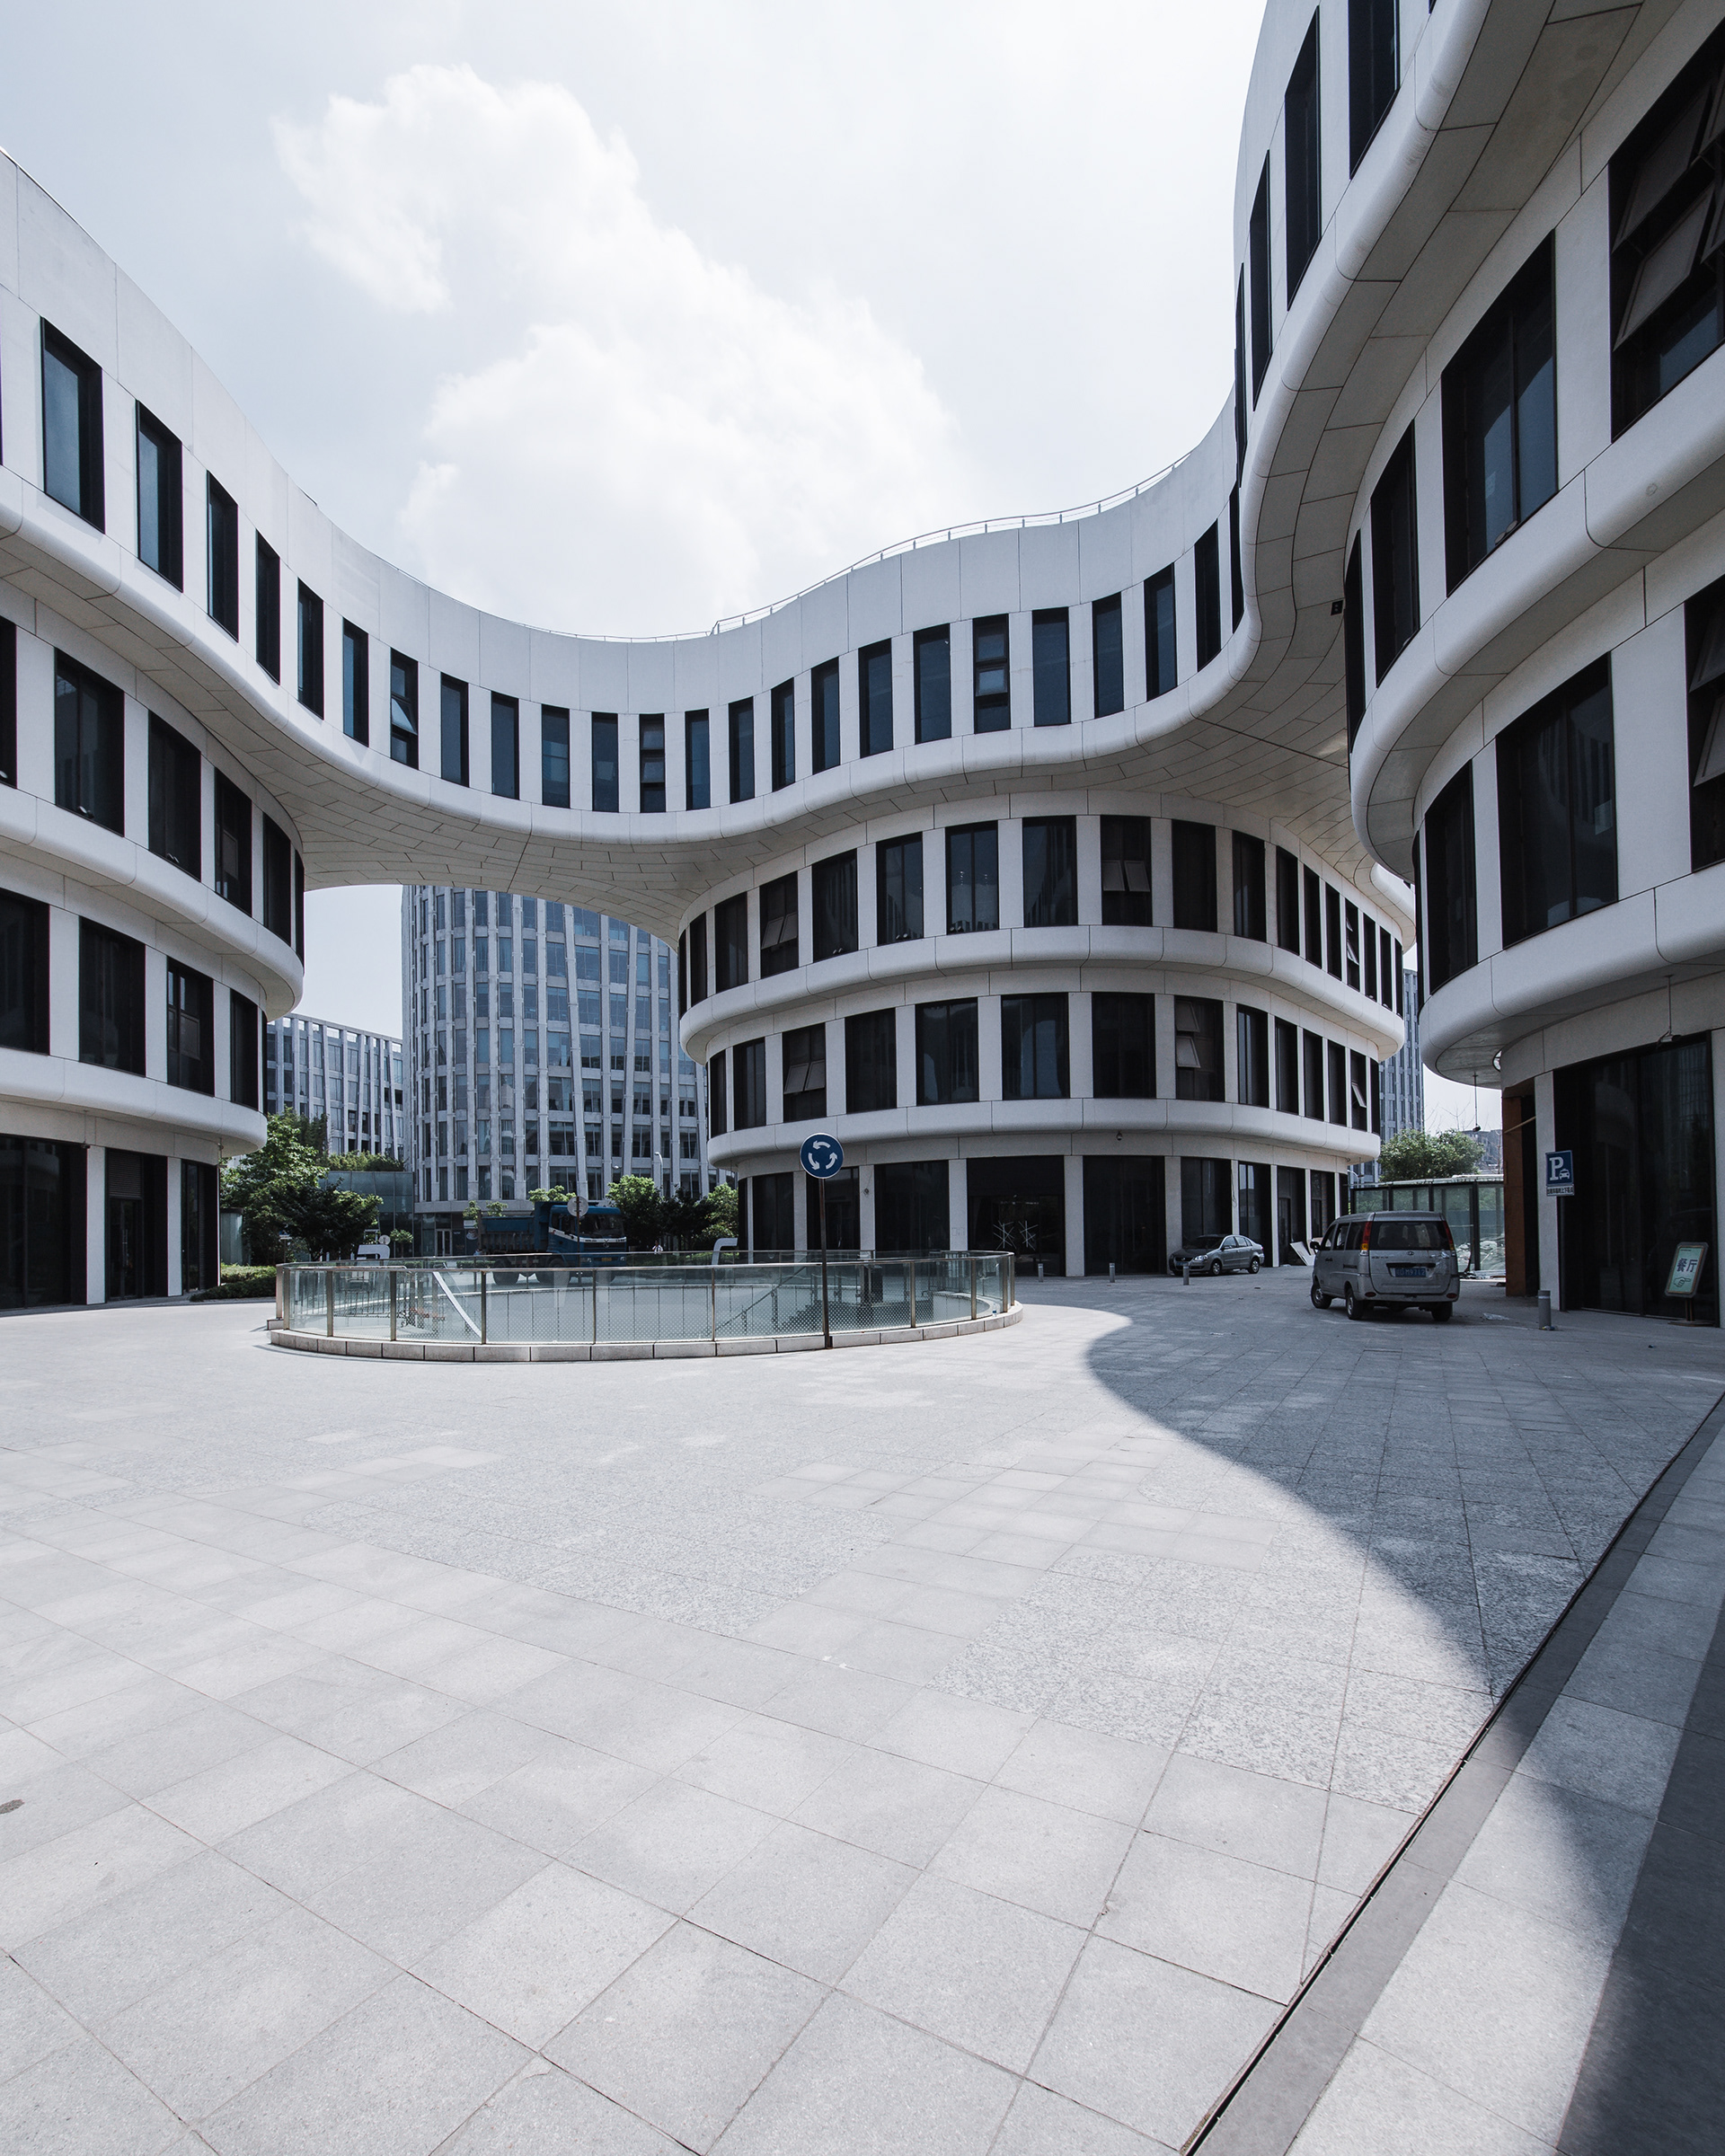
[[960, 1746]]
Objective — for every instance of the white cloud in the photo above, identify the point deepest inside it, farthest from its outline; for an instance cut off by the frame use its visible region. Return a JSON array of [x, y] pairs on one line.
[[645, 439]]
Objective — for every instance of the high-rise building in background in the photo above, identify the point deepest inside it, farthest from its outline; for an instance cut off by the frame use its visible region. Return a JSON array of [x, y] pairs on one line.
[[540, 1054], [1404, 1075], [350, 1078]]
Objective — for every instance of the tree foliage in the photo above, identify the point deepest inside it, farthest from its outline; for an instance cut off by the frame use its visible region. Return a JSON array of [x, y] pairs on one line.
[[280, 1190], [638, 1199], [1413, 1156]]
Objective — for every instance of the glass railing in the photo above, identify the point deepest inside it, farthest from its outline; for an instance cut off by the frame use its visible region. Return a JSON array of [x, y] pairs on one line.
[[501, 1300]]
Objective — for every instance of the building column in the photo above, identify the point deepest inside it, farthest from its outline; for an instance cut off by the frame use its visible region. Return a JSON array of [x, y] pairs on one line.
[[801, 1186], [1171, 1199], [1545, 1138], [95, 1287], [1074, 1216], [958, 1203], [864, 1187], [175, 1283]]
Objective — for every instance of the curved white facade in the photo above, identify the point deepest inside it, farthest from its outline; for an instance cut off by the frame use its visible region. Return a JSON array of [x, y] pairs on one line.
[[1397, 167]]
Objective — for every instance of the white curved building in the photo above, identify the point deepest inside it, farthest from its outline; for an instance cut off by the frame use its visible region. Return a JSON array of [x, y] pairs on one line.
[[1053, 866]]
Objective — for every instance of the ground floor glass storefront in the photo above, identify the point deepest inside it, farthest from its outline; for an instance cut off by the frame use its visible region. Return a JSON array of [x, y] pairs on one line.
[[1640, 1125], [41, 1222]]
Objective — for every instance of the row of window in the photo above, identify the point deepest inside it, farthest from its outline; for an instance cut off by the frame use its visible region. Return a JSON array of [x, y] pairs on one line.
[[1313, 918], [111, 1005], [1499, 392], [89, 782], [1307, 1075], [1557, 806]]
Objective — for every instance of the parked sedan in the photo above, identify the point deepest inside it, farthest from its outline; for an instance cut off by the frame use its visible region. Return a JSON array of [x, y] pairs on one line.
[[1217, 1254]]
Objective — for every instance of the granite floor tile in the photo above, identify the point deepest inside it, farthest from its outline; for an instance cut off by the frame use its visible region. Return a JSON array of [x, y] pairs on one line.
[[81, 2101], [673, 1842], [1042, 1856], [806, 1900]]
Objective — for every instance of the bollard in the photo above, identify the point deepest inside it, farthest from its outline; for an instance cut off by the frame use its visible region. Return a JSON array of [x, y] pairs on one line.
[[1186, 1271], [1545, 1324], [1110, 1272], [1038, 1269]]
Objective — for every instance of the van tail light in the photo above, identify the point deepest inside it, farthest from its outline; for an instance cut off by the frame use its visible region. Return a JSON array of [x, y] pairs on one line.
[[1366, 1237], [1449, 1240]]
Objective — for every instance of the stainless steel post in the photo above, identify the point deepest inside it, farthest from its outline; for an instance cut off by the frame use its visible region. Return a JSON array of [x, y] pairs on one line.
[[483, 1321], [713, 1296], [1545, 1324], [825, 1313], [394, 1279], [973, 1288], [910, 1289]]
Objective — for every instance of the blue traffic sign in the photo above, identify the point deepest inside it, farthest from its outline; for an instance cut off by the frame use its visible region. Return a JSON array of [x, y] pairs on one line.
[[1559, 1174], [821, 1156]]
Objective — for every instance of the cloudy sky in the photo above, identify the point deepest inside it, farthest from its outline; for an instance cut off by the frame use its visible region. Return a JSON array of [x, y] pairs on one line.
[[622, 319]]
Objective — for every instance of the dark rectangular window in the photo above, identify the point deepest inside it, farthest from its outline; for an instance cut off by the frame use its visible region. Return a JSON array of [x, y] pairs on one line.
[[505, 748], [1312, 1049], [72, 453], [1667, 258], [404, 709], [554, 757], [1034, 1050], [805, 1073], [697, 760], [241, 1049], [1368, 936], [1704, 646], [1125, 872], [1236, 581], [277, 881], [1557, 808], [1206, 1199], [1375, 1090], [89, 745], [823, 716], [604, 753], [311, 654], [1374, 71], [898, 890], [1500, 420], [730, 941], [742, 750], [870, 1062], [1333, 929], [1251, 1056], [1050, 667], [176, 800], [1351, 943], [1240, 375], [698, 959], [111, 1000], [1287, 1067], [452, 715], [779, 939], [1257, 257], [268, 579], [1358, 1107], [1195, 877], [1161, 656], [8, 704], [1108, 655], [23, 974], [1207, 576], [1450, 944], [1389, 977], [159, 499], [356, 684], [1395, 558], [1353, 642], [191, 1064], [946, 1052], [1197, 1048], [1288, 901], [748, 1084], [682, 976], [652, 764], [1314, 918], [222, 557], [784, 735], [1123, 1047], [833, 886], [874, 697], [972, 879], [932, 652], [1338, 1059], [233, 844], [300, 908], [718, 1122], [1302, 169], [1250, 911], [1051, 871], [990, 656]]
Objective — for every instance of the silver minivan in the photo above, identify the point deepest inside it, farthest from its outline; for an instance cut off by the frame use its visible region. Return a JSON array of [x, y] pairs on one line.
[[1387, 1261]]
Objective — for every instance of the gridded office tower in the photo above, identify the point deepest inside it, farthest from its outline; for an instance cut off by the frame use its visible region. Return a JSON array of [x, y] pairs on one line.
[[1404, 1075], [351, 1080], [540, 1052]]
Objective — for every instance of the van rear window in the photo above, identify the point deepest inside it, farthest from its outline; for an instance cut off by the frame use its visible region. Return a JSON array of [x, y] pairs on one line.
[[1409, 1235]]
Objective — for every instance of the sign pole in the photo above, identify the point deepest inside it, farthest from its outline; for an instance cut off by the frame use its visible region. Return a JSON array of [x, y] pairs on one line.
[[826, 1314]]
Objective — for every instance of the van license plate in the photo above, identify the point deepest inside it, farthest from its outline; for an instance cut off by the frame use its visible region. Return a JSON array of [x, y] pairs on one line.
[[1410, 1272]]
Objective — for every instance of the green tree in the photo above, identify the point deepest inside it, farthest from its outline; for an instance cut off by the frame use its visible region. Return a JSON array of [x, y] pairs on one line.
[[637, 1198], [1414, 1156], [280, 1190], [717, 1215]]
